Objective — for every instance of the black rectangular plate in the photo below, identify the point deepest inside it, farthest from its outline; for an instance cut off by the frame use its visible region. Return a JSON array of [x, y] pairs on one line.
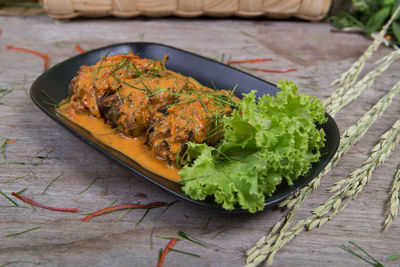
[[55, 83]]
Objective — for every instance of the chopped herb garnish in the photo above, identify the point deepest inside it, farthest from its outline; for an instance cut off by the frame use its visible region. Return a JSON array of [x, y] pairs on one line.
[[54, 101], [247, 34], [367, 259], [184, 252], [9, 199], [218, 233], [101, 65], [13, 162], [393, 257], [151, 237], [193, 239], [22, 191], [206, 225], [32, 173], [122, 215], [15, 178], [20, 261], [91, 183], [23, 232], [42, 158], [141, 219], [51, 182]]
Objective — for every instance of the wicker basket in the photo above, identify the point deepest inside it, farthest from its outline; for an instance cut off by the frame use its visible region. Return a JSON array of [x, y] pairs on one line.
[[304, 9]]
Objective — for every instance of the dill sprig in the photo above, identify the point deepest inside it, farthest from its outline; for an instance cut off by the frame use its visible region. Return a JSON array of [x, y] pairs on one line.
[[53, 102], [15, 178]]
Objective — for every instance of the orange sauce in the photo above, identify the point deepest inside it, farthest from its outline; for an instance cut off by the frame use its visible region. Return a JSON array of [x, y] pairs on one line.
[[131, 147]]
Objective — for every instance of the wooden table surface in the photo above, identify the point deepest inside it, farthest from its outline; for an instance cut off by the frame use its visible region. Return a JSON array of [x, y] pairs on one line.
[[48, 150]]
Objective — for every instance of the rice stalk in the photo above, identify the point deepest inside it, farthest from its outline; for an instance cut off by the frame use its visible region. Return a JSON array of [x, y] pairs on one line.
[[394, 201], [337, 103], [351, 136], [355, 182]]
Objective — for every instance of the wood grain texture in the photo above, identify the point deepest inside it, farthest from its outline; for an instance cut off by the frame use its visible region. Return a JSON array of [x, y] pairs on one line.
[[63, 240]]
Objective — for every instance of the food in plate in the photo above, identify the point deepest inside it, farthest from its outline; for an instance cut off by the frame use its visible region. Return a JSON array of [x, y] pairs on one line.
[[140, 99], [234, 152]]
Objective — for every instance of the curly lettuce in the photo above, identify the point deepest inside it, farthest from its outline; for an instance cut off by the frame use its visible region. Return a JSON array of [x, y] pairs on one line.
[[266, 142]]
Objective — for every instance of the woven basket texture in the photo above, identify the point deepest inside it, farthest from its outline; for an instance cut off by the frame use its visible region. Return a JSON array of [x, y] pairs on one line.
[[305, 9]]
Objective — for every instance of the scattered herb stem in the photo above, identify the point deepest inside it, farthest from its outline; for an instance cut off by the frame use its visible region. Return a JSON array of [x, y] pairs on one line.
[[15, 178], [51, 182], [184, 252], [9, 199], [122, 215], [91, 183], [23, 232], [151, 237], [20, 261], [374, 262], [144, 215], [192, 239]]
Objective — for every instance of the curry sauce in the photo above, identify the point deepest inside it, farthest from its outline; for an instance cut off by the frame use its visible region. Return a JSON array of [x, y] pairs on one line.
[[138, 107]]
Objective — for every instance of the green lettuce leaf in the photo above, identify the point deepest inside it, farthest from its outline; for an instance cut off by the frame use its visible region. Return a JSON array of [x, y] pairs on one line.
[[266, 141]]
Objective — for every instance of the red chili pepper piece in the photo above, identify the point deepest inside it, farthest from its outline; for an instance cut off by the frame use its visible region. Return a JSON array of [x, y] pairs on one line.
[[124, 206], [277, 71], [79, 49], [248, 61], [165, 251], [44, 56], [130, 56], [34, 203]]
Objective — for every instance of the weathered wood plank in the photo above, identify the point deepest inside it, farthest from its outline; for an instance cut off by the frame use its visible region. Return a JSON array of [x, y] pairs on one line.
[[63, 239]]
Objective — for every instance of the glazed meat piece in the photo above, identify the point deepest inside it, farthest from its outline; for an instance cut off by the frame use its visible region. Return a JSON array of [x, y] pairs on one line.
[[141, 98], [191, 119]]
